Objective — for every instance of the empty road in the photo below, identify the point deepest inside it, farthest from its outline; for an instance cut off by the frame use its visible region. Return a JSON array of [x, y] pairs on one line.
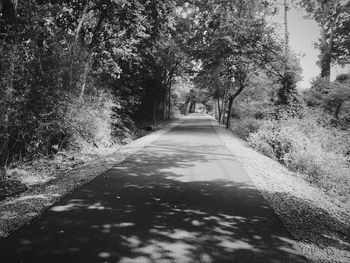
[[183, 198]]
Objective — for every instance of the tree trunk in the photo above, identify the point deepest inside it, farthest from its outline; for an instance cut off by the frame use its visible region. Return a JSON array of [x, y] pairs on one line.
[[233, 97], [223, 110], [164, 107], [325, 64], [8, 13], [286, 33], [75, 45], [219, 110], [169, 100], [228, 118], [154, 113], [327, 39], [84, 77], [337, 110]]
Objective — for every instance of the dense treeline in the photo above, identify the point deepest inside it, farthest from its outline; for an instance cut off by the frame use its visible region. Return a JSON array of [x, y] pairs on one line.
[[80, 72], [252, 74]]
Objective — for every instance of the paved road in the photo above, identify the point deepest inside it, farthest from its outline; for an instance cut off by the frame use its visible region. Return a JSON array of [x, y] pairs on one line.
[[184, 198]]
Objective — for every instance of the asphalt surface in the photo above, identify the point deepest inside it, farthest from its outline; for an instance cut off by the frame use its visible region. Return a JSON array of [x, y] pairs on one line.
[[183, 198]]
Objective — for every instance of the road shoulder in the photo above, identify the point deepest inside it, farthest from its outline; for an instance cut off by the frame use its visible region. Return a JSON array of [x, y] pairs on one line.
[[319, 223], [20, 210]]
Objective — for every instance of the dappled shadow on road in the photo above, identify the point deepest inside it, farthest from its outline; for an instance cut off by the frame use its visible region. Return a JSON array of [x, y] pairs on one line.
[[161, 205]]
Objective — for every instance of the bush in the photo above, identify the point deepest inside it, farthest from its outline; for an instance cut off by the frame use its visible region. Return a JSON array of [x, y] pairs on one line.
[[304, 146], [89, 123], [244, 127]]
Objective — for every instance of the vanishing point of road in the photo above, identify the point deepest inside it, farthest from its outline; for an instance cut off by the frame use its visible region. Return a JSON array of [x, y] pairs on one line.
[[183, 198]]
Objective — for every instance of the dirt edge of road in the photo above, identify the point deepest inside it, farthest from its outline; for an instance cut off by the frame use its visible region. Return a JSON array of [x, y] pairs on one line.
[[21, 209], [319, 223]]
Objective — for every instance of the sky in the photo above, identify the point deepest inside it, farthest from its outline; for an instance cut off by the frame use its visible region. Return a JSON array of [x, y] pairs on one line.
[[303, 33]]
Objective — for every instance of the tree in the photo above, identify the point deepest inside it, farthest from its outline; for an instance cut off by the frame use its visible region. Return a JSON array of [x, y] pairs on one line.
[[235, 41], [8, 20], [65, 50], [329, 96], [341, 47], [331, 15]]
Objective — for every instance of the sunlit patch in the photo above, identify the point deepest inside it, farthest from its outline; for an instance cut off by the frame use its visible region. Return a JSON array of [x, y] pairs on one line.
[[97, 206], [132, 241], [193, 211], [124, 224], [196, 223], [226, 216], [221, 231], [257, 237], [63, 208], [182, 234], [104, 255], [290, 246], [211, 218], [227, 224], [284, 239], [135, 260], [240, 218], [159, 251], [230, 245]]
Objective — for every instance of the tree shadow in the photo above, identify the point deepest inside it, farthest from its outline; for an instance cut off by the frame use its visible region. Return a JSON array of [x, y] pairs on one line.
[[167, 203]]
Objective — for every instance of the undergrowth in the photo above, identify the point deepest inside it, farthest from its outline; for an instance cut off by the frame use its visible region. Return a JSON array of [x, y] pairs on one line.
[[307, 145]]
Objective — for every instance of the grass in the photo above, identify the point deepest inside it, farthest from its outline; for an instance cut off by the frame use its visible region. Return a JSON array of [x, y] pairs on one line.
[[305, 145]]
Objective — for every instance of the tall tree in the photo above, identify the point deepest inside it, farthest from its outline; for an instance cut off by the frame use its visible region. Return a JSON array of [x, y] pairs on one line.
[[236, 41], [8, 20], [329, 14]]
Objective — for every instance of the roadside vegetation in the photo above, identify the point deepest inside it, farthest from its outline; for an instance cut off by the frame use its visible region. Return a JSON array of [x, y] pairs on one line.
[[249, 75], [310, 133], [313, 143], [83, 77]]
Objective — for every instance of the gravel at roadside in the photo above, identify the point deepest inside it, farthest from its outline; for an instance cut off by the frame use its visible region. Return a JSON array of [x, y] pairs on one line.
[[320, 223]]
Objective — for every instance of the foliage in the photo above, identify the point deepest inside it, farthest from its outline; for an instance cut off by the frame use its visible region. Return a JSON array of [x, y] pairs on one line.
[[237, 44], [332, 97], [81, 72], [244, 127], [332, 17], [90, 123], [307, 140], [305, 146]]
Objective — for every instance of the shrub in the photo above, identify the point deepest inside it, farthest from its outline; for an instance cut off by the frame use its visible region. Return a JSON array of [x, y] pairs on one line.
[[304, 146], [244, 127], [89, 123]]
